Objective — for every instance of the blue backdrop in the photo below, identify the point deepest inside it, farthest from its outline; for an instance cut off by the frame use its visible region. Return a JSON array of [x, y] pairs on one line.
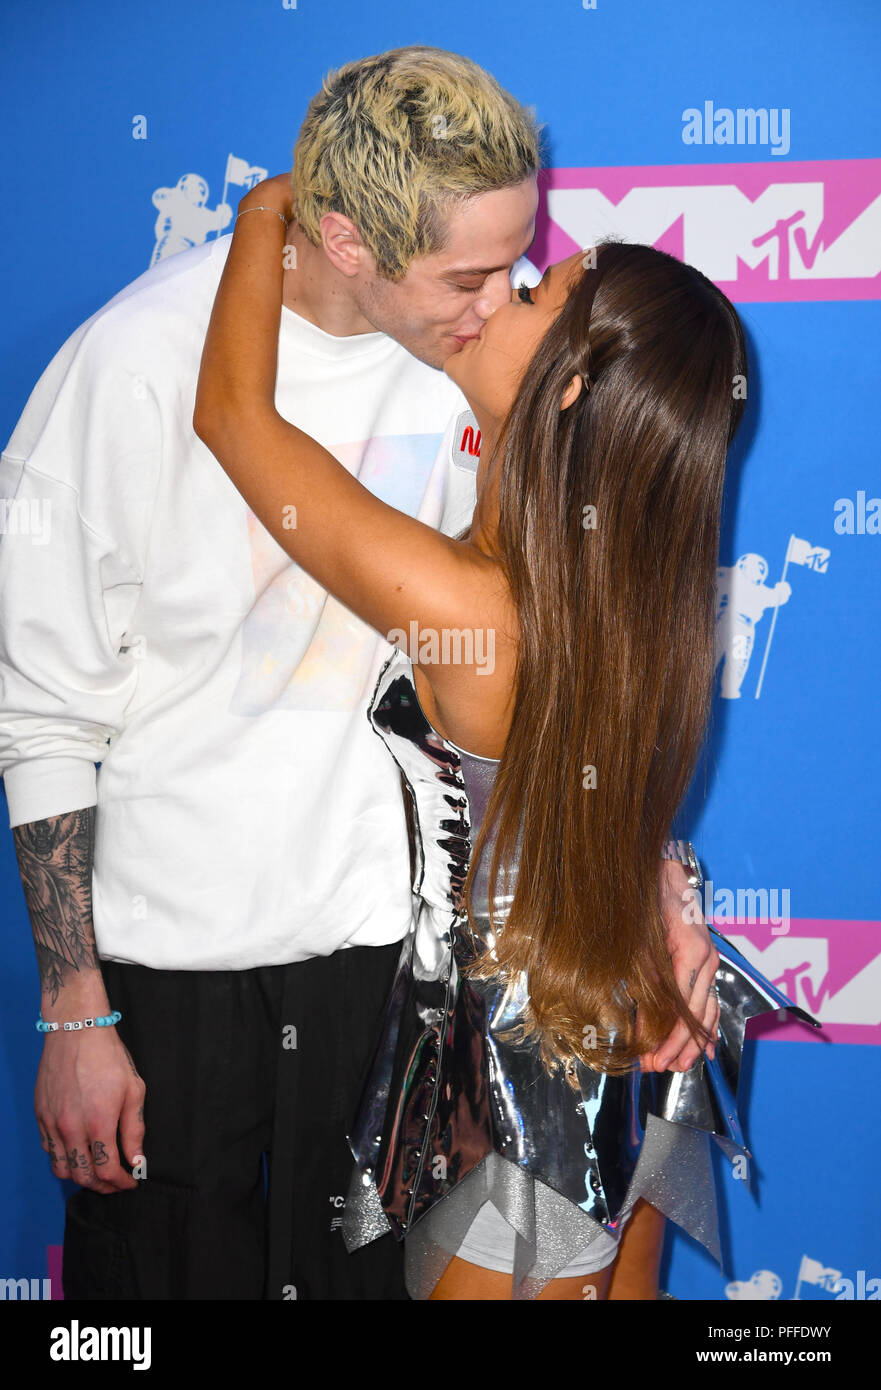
[[744, 138]]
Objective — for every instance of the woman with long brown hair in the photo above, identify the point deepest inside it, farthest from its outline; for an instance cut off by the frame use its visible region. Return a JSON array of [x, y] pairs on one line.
[[547, 705]]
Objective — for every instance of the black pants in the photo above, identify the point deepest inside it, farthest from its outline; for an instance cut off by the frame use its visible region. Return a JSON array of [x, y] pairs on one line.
[[238, 1065]]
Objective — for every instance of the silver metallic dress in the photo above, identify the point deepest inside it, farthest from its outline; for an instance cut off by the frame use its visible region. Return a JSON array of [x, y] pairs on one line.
[[454, 1115]]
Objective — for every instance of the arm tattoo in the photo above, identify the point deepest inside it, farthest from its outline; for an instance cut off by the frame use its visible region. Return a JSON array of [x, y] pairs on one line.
[[55, 863]]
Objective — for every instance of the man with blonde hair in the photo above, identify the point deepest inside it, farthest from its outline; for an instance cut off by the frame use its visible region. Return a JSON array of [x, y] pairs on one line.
[[233, 880]]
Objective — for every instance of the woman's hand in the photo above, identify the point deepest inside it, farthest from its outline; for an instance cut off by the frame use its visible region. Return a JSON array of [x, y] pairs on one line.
[[695, 961], [272, 193]]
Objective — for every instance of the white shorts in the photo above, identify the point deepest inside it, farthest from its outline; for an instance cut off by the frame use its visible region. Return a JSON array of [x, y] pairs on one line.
[[490, 1243]]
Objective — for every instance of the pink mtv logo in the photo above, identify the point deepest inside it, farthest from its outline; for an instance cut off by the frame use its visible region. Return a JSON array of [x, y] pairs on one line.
[[766, 231], [830, 968]]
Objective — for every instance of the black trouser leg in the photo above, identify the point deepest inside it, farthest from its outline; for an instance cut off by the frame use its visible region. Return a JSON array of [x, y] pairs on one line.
[[205, 1043], [337, 1005]]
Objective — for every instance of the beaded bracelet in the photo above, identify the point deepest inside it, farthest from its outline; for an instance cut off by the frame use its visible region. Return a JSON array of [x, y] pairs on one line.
[[77, 1024]]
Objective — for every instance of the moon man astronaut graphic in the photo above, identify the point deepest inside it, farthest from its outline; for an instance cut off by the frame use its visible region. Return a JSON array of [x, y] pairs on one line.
[[183, 219], [741, 599]]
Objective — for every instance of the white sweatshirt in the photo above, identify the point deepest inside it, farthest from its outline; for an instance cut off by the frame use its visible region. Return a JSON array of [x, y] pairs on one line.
[[247, 813]]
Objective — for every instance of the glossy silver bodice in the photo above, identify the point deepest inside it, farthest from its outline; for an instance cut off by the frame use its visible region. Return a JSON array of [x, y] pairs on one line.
[[450, 1101]]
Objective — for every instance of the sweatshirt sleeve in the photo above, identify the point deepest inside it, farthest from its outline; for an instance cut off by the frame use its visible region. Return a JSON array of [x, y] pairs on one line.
[[77, 485]]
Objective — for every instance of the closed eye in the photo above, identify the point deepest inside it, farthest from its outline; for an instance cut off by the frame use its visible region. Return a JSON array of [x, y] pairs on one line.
[[523, 293]]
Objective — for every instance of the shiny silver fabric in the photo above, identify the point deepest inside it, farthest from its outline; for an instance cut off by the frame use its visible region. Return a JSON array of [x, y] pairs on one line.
[[454, 1114]]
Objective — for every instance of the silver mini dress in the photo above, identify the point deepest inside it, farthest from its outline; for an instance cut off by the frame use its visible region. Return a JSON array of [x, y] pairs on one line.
[[454, 1114]]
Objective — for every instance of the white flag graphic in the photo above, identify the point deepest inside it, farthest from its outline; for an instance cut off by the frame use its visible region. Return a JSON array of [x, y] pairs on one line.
[[243, 174], [803, 553]]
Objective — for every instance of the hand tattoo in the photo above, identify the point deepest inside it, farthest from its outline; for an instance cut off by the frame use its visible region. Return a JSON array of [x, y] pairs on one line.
[[131, 1063], [99, 1153]]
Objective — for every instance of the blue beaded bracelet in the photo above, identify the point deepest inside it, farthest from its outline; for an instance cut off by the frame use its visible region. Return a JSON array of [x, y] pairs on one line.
[[75, 1026]]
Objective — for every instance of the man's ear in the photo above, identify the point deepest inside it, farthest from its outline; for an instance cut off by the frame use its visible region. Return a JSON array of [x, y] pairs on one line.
[[572, 392], [342, 243]]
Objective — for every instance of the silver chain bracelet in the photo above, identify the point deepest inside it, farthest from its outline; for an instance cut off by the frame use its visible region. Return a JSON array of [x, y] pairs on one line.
[[263, 209]]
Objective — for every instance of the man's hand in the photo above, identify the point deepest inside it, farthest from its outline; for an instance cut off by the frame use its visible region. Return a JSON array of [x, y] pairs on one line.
[[695, 962], [87, 1088]]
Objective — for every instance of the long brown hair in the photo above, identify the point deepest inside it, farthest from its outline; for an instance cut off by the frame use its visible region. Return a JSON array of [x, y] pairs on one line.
[[615, 665]]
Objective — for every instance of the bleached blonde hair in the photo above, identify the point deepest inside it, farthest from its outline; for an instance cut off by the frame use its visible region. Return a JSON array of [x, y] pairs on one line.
[[394, 141]]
